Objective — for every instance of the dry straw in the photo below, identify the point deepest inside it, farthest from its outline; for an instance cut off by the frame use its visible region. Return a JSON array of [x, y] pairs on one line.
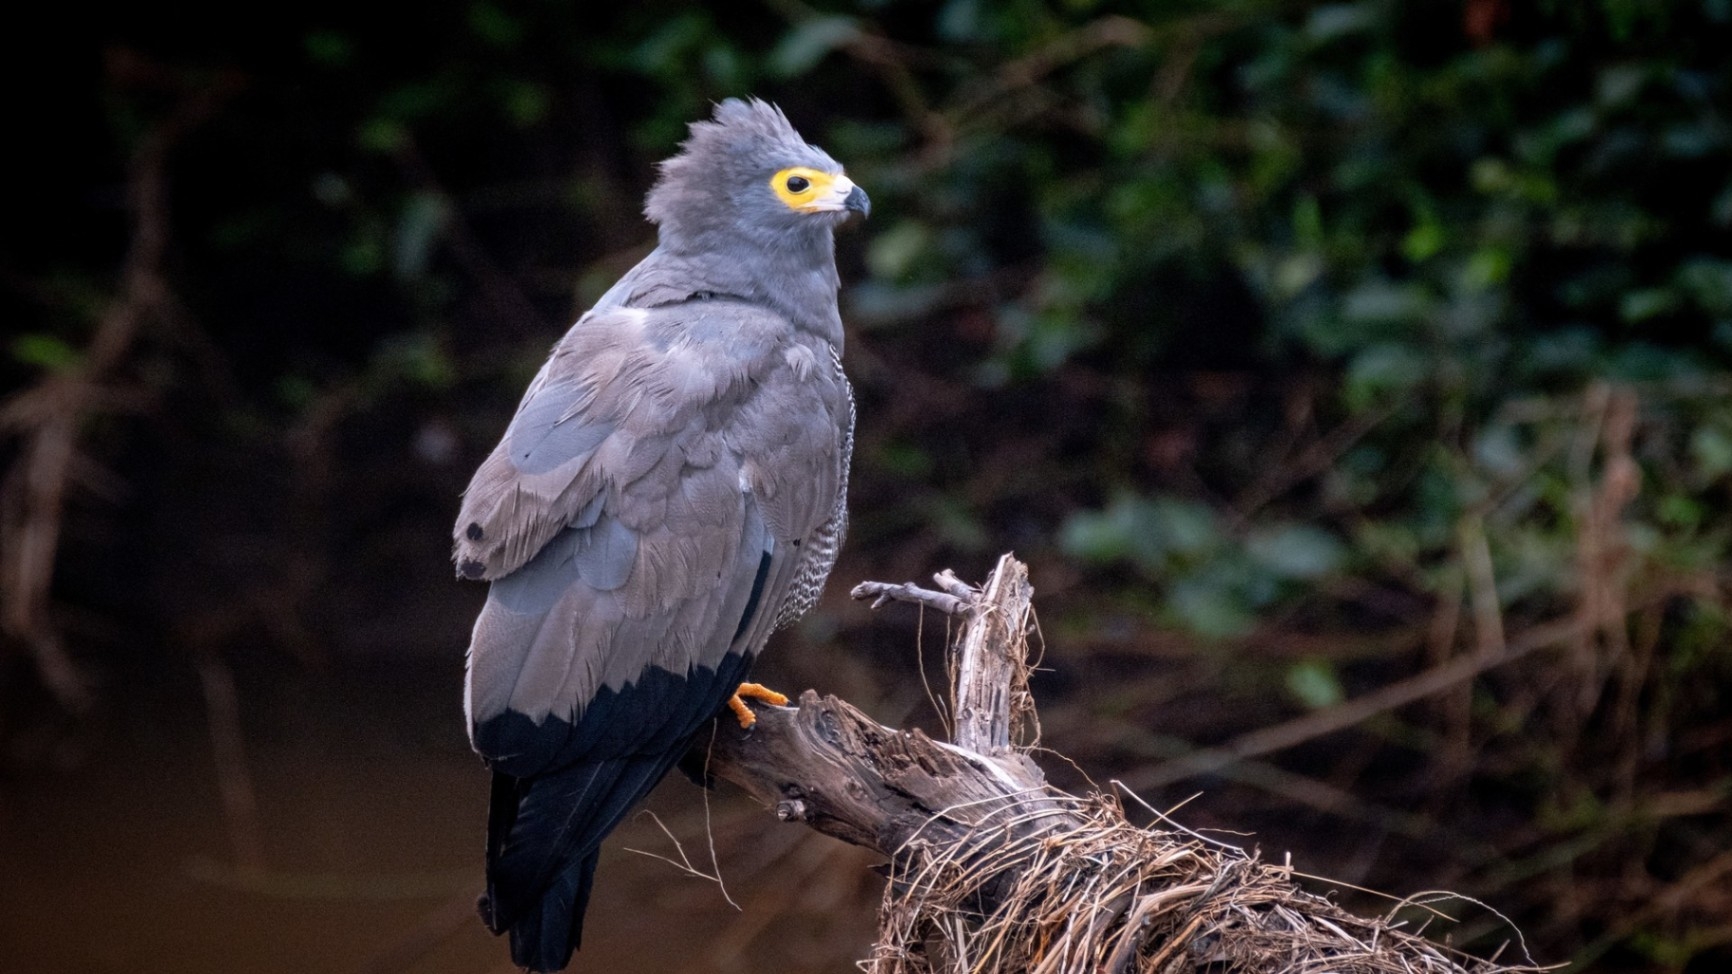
[[1048, 883], [1095, 893]]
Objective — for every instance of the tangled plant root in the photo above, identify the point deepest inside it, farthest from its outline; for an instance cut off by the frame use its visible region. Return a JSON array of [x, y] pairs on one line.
[[1100, 894], [992, 871]]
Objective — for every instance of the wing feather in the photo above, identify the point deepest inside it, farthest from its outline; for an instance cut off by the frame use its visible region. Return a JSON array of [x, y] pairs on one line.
[[627, 514]]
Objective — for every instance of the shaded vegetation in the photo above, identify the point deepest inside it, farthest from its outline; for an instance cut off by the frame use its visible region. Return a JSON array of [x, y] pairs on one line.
[[1353, 375]]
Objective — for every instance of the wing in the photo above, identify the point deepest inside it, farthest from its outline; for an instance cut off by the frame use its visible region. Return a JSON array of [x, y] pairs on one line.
[[644, 514]]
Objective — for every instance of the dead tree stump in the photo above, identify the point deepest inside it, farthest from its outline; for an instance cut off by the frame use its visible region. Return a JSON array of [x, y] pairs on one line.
[[991, 871]]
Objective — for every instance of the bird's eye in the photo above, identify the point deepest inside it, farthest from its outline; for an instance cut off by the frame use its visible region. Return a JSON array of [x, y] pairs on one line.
[[799, 188]]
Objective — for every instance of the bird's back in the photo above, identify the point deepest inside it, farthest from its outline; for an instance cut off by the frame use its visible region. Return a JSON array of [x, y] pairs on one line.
[[670, 492], [677, 477]]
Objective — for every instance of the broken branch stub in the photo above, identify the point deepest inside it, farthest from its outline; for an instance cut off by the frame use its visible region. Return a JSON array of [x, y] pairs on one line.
[[991, 659], [825, 763]]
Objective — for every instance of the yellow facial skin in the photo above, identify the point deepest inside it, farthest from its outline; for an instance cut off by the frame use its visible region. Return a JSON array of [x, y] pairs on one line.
[[806, 190]]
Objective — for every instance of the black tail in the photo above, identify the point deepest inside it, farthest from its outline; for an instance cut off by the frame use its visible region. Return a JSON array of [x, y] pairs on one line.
[[501, 816], [543, 839], [544, 938]]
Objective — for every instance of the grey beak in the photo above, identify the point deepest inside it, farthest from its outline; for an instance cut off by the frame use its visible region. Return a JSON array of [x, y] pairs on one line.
[[858, 202]]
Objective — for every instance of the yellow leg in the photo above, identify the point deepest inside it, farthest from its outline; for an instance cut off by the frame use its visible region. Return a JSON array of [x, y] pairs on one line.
[[755, 691]]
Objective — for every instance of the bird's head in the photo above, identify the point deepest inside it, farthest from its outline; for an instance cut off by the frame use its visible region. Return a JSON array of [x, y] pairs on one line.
[[746, 174]]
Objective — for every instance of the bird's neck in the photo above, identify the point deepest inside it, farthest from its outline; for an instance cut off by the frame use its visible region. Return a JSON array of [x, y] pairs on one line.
[[797, 280]]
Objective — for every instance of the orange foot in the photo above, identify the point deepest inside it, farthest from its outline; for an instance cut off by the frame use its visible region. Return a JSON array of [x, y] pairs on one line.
[[755, 691]]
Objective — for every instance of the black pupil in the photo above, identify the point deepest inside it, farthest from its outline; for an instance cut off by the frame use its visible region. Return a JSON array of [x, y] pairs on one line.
[[797, 184]]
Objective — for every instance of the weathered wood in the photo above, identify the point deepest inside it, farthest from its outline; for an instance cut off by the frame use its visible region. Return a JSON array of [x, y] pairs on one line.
[[990, 660], [826, 764], [830, 766]]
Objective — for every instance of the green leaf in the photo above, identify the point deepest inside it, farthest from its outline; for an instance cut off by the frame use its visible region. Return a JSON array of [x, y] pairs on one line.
[[1296, 551], [1209, 608], [1499, 450], [1488, 267], [45, 351], [1639, 306], [1095, 536], [1378, 301], [1709, 283], [423, 219], [1423, 241], [906, 461], [1711, 448], [1339, 19], [1296, 273], [1384, 369], [1619, 84], [382, 135], [493, 25], [809, 41], [893, 253], [526, 103], [959, 20], [329, 48], [1308, 222], [1184, 526], [1123, 530], [1720, 211], [363, 256], [1314, 684], [417, 358]]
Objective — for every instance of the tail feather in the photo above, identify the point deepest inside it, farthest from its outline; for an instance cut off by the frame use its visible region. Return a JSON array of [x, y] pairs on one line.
[[544, 837], [543, 832], [545, 826], [545, 938], [502, 803]]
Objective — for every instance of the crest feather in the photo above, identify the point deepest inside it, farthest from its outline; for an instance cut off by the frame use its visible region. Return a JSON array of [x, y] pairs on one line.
[[742, 137]]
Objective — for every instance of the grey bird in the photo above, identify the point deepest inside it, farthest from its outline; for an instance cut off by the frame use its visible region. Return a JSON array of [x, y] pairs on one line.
[[670, 492]]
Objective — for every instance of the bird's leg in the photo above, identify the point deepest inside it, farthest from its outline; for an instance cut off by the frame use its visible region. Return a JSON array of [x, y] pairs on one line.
[[755, 691]]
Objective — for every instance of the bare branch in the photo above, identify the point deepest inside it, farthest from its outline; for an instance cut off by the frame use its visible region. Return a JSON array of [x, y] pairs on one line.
[[882, 593]]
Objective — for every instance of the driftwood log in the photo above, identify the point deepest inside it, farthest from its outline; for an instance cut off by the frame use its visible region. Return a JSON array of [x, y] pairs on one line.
[[991, 870]]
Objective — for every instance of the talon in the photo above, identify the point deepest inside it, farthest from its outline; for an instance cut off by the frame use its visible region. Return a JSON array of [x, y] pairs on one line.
[[755, 691]]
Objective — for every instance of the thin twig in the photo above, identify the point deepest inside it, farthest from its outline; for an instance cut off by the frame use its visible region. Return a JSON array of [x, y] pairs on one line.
[[883, 593]]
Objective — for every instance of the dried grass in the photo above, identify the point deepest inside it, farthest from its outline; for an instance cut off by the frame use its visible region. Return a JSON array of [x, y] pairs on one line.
[[1097, 893]]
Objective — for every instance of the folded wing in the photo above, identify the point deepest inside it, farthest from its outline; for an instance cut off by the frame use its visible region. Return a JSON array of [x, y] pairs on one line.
[[641, 522]]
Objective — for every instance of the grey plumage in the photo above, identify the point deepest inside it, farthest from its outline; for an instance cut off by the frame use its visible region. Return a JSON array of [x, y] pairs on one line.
[[671, 490]]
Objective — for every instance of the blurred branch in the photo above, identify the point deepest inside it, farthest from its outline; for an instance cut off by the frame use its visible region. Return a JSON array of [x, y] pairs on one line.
[[890, 61], [234, 778], [1317, 457], [507, 298], [1349, 713], [48, 418], [1014, 76]]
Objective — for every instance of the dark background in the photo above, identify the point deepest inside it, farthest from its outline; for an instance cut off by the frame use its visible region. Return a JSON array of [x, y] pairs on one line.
[[1353, 376]]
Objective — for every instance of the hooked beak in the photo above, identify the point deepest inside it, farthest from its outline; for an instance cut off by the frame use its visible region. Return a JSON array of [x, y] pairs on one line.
[[840, 196]]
